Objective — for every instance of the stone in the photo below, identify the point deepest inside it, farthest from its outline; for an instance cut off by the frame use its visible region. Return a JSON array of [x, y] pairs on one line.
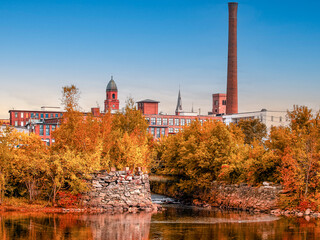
[[119, 191], [300, 214], [307, 212]]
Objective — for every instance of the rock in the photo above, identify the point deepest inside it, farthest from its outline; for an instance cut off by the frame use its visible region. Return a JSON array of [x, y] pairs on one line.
[[119, 191], [307, 212], [266, 184]]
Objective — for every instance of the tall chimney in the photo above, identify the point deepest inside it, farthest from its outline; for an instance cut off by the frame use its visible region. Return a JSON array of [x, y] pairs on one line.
[[232, 79]]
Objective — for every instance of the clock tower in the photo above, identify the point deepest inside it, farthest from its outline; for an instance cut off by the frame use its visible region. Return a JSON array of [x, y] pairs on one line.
[[111, 103]]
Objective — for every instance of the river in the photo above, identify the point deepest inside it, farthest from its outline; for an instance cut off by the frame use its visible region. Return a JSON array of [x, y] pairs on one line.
[[176, 222]]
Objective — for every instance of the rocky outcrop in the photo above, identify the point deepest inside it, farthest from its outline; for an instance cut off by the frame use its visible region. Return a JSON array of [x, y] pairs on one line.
[[245, 197], [119, 191]]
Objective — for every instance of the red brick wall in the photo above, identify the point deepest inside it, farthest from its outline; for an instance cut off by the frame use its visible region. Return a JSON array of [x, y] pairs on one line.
[[148, 108], [24, 116], [219, 98], [171, 124], [111, 101]]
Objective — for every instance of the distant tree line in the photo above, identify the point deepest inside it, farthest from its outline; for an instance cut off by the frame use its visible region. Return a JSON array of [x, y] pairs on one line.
[[244, 152]]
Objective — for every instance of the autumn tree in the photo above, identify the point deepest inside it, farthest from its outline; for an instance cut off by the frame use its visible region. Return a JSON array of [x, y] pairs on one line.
[[298, 147], [77, 149], [201, 154], [7, 144], [30, 163], [253, 129], [131, 144]]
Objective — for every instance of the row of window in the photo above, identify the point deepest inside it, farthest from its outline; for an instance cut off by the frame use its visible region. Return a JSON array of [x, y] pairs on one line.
[[216, 102], [174, 130], [157, 132], [45, 130], [171, 121], [36, 115]]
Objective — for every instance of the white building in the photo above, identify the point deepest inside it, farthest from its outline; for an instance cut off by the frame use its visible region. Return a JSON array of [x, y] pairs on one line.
[[269, 118]]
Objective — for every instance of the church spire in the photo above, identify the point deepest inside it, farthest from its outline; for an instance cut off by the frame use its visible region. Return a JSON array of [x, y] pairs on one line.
[[179, 104]]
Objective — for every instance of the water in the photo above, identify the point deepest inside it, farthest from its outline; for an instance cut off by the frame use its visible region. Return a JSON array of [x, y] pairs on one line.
[[176, 222]]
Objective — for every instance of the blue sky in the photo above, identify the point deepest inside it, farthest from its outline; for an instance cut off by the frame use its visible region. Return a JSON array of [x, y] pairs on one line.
[[153, 46]]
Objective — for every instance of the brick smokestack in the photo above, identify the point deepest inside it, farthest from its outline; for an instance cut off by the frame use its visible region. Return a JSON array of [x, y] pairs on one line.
[[232, 79]]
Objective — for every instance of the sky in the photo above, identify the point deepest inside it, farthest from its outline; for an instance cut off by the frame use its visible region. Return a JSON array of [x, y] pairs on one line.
[[153, 47]]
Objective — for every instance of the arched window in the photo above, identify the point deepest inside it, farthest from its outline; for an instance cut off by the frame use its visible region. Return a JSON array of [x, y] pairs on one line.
[[113, 96]]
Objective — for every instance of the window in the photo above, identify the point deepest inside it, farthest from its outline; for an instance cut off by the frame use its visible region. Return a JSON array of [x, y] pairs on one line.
[[148, 120], [41, 115], [182, 122], [147, 130], [158, 132], [153, 121], [171, 121], [216, 102], [37, 115], [224, 102], [47, 130], [188, 121], [22, 115], [216, 110], [47, 115], [152, 131], [48, 142], [22, 124], [61, 114], [113, 96], [53, 127], [51, 115], [163, 131], [41, 130], [165, 121], [15, 114], [27, 115], [271, 118], [32, 115], [176, 130], [16, 123], [176, 121], [201, 121], [159, 121], [280, 119], [170, 130]]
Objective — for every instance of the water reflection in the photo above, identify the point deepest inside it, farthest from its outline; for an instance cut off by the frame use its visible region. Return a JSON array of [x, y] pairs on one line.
[[174, 223]]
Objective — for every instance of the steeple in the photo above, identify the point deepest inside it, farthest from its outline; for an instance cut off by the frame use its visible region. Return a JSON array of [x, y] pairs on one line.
[[179, 104]]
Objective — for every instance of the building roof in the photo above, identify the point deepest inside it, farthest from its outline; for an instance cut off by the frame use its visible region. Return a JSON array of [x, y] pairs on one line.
[[148, 101], [112, 85]]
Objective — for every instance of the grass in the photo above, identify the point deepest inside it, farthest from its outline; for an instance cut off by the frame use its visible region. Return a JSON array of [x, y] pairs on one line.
[[24, 203]]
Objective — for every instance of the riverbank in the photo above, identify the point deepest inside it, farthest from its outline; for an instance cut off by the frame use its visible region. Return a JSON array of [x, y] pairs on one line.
[[238, 197], [22, 205]]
